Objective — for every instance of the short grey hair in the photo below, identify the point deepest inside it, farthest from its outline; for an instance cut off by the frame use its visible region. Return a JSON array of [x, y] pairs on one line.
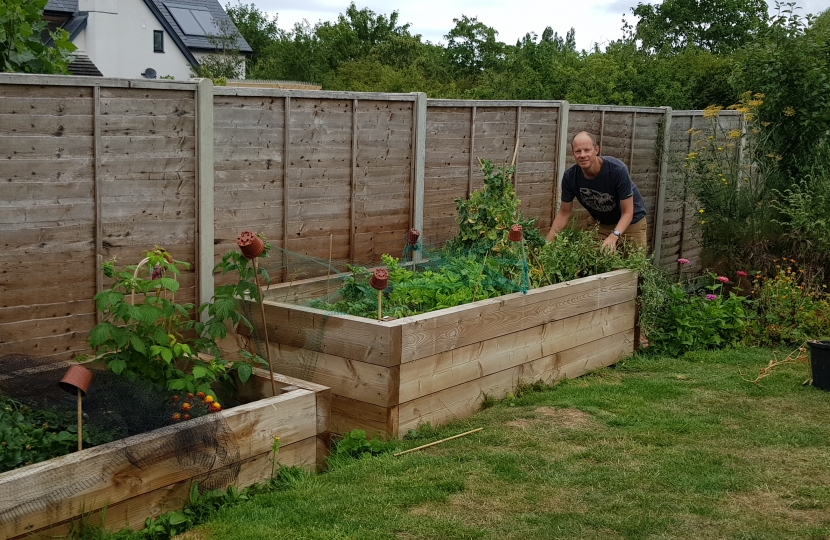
[[593, 139]]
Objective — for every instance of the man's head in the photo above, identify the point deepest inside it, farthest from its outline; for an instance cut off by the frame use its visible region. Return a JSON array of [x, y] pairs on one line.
[[585, 151]]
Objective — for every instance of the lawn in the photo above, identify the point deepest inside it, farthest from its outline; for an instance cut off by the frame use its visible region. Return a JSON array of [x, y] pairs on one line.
[[653, 448]]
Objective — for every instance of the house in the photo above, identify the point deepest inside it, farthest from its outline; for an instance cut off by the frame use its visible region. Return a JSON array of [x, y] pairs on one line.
[[144, 38]]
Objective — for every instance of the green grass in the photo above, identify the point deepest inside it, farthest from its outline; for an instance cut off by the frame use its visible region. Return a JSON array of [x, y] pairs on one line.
[[654, 448]]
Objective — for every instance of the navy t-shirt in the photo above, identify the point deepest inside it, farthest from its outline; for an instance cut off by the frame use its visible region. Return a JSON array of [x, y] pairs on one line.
[[601, 195]]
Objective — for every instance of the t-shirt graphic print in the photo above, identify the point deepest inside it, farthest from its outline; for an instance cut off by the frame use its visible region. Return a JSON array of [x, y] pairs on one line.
[[597, 200]]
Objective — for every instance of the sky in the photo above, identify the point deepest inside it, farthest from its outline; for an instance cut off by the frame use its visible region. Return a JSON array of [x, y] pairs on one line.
[[595, 21]]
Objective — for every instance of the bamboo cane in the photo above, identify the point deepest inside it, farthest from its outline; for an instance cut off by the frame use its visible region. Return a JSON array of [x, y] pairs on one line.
[[80, 421], [264, 327], [438, 442], [328, 270], [380, 301]]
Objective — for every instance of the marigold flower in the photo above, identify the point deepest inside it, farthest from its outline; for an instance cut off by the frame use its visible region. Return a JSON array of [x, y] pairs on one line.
[[701, 211], [175, 398], [185, 407], [208, 399], [186, 417], [741, 273], [176, 417], [711, 296], [200, 395], [789, 111], [215, 407], [723, 279], [683, 261]]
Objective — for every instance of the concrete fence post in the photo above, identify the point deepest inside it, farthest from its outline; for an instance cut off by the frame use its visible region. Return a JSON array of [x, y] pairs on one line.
[[204, 195]]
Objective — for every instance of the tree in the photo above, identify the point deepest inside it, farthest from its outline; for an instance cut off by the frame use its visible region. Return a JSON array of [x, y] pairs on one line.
[[21, 46], [472, 46], [259, 30], [789, 64], [718, 26]]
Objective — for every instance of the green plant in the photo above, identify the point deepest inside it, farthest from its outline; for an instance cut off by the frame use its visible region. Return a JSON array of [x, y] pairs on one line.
[[156, 339], [30, 436], [22, 48], [726, 175], [791, 310], [698, 316], [355, 444], [485, 217]]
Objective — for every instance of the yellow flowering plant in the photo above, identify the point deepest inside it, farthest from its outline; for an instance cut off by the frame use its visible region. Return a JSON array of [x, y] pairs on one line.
[[724, 174]]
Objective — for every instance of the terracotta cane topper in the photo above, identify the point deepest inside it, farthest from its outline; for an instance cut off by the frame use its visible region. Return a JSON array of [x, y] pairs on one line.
[[250, 244], [76, 378], [412, 236], [379, 279], [515, 234]]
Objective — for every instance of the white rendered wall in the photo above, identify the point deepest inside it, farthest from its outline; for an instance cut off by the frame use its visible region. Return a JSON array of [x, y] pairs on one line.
[[200, 54], [119, 40]]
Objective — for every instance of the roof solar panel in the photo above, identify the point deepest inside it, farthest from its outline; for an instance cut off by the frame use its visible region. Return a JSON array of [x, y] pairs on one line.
[[186, 21], [206, 21]]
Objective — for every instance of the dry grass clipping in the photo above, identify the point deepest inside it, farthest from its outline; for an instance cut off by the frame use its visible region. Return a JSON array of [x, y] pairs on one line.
[[797, 356]]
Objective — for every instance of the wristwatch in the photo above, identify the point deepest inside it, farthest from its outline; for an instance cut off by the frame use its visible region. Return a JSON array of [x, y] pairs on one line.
[[616, 233]]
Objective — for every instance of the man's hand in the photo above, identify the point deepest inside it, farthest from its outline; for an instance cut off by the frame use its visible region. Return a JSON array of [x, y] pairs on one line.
[[609, 245]]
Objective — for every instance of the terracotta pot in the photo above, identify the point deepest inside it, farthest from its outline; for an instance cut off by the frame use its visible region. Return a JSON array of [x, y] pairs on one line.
[[412, 236], [76, 377], [379, 279], [515, 234], [250, 244]]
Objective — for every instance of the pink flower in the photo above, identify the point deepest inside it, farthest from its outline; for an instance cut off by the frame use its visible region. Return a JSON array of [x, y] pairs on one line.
[[711, 297], [683, 261], [741, 273], [723, 279]]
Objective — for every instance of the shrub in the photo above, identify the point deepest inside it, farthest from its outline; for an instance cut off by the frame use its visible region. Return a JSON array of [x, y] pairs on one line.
[[790, 309], [694, 315]]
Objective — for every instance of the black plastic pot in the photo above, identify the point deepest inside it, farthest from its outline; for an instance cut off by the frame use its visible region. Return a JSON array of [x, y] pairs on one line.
[[820, 363]]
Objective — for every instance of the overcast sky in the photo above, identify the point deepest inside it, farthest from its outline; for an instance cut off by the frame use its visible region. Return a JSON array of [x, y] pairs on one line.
[[595, 21]]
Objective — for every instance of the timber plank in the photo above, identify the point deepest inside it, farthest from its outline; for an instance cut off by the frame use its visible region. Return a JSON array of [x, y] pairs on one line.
[[432, 333], [346, 336], [348, 414], [438, 372], [84, 481], [133, 512], [357, 380], [463, 400]]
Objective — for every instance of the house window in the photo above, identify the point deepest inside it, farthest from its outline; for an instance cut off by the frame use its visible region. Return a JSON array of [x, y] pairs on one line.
[[158, 41]]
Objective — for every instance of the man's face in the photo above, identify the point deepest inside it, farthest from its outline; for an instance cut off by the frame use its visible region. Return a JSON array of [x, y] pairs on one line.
[[584, 152]]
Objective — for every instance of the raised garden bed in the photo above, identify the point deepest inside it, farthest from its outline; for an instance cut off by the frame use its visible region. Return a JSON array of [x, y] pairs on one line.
[[124, 482], [388, 377]]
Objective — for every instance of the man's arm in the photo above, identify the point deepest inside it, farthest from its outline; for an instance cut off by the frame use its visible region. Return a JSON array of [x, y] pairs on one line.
[[562, 218], [627, 210]]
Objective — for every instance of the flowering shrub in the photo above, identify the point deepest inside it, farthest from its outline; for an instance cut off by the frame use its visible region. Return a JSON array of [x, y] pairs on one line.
[[693, 315], [790, 310], [726, 174]]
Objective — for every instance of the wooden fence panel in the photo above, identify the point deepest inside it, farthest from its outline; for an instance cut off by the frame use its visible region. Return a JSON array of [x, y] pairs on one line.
[[47, 219], [148, 177], [459, 133], [92, 169], [314, 171]]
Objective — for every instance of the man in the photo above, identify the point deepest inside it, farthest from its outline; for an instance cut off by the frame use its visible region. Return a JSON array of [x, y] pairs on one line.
[[603, 186]]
